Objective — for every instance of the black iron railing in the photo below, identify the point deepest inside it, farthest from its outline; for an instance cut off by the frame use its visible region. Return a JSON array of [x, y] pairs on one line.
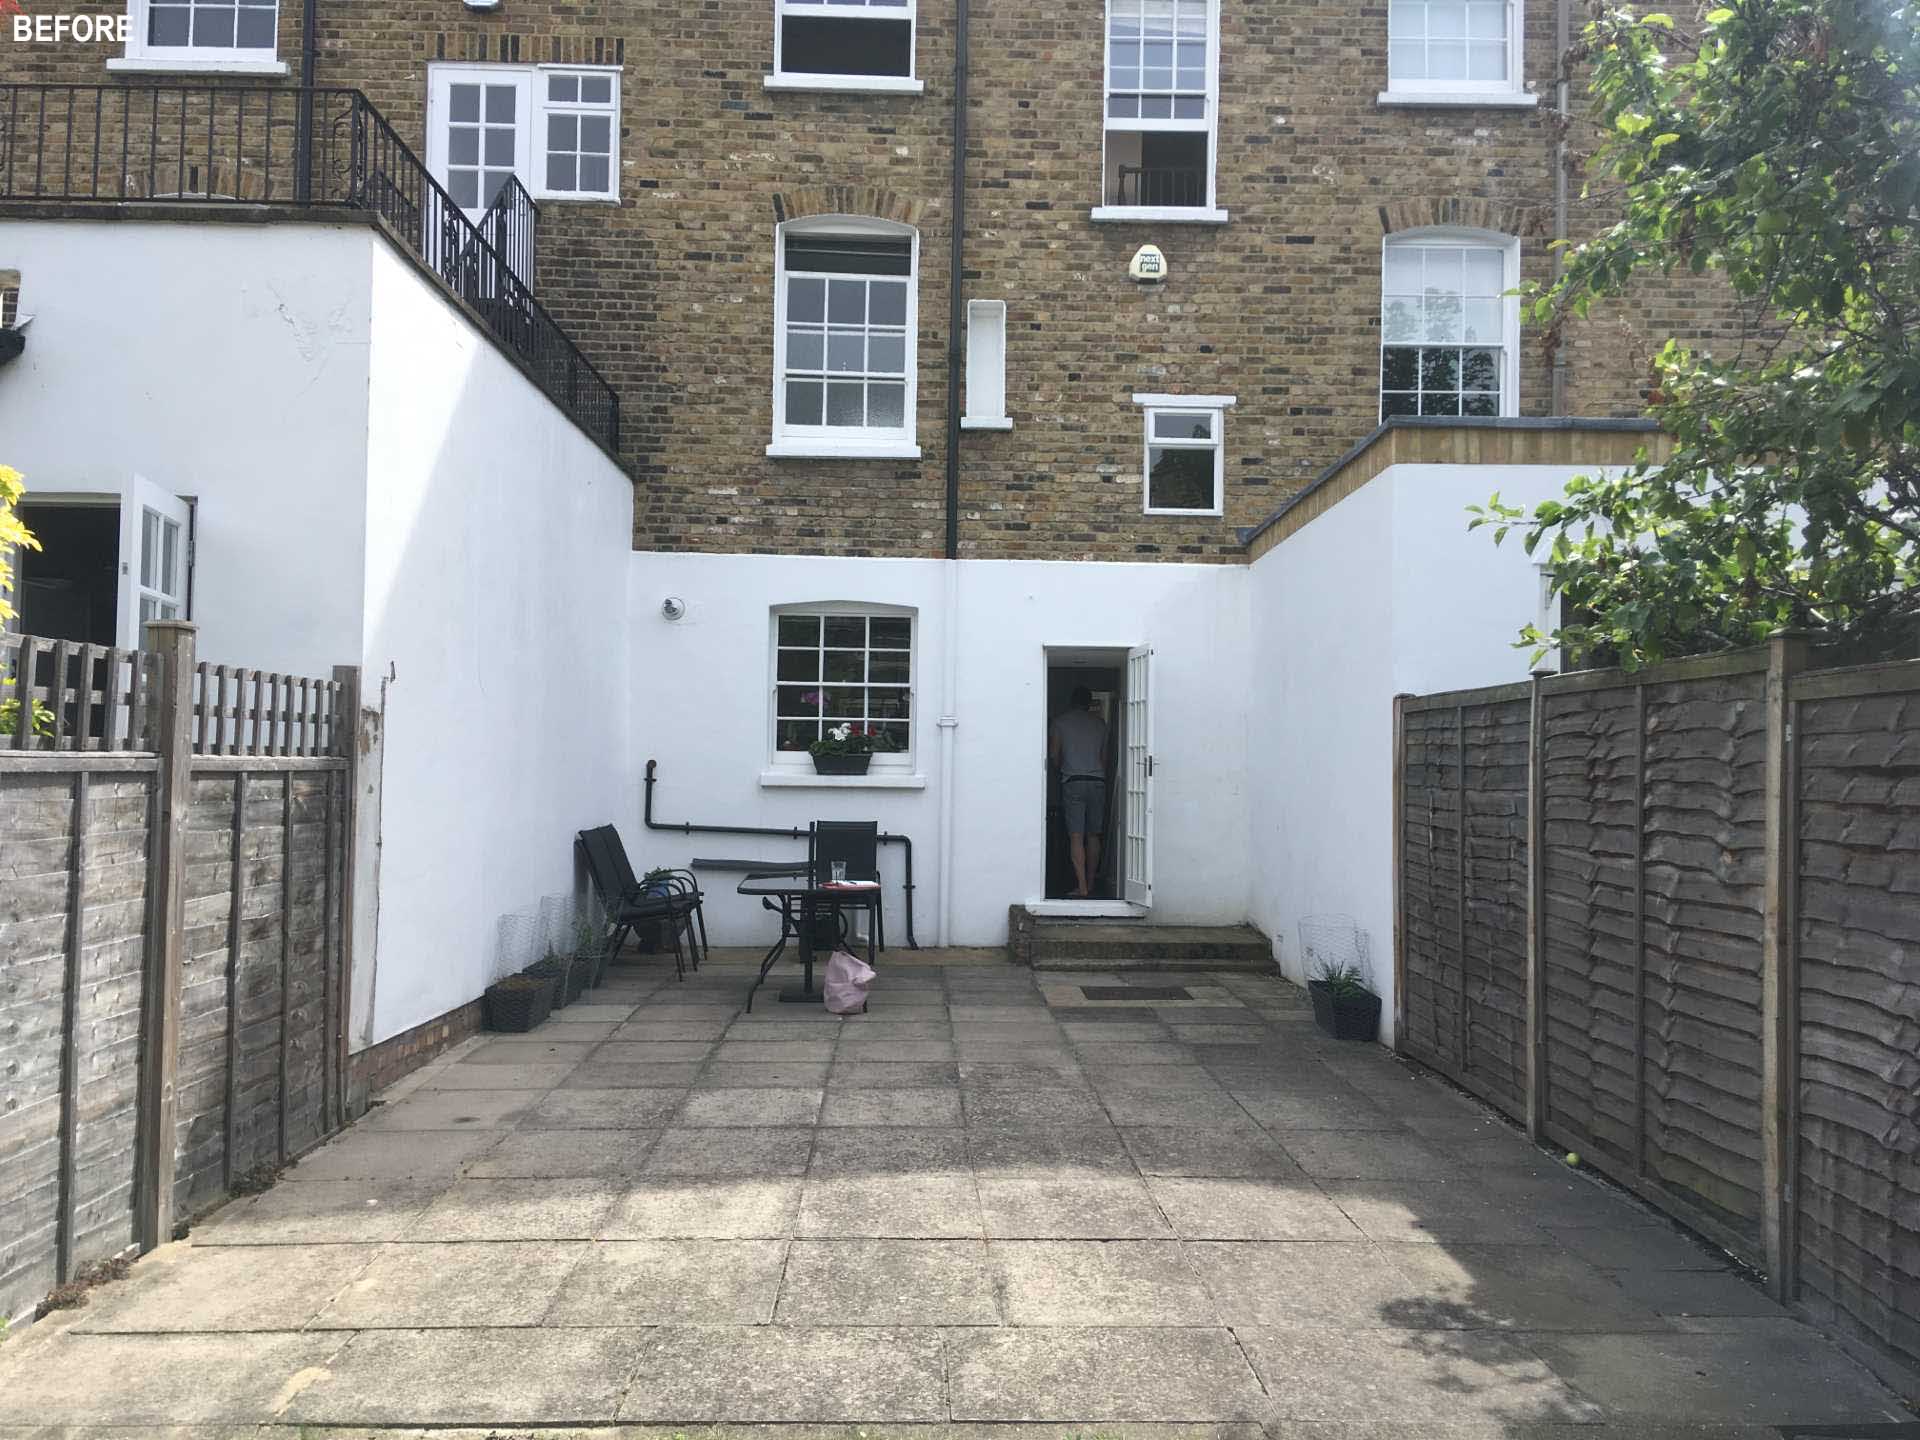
[[1140, 185], [234, 145]]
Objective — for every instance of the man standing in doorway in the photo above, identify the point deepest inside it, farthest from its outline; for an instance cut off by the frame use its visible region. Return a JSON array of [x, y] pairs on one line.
[[1077, 747]]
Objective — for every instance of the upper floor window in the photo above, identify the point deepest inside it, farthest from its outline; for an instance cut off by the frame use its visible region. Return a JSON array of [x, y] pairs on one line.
[[1162, 102], [843, 45], [203, 35], [557, 129], [1449, 328], [1185, 470], [1459, 51], [843, 665], [844, 330]]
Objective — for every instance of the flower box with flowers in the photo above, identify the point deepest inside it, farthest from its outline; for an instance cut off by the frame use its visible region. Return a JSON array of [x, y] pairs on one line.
[[849, 749]]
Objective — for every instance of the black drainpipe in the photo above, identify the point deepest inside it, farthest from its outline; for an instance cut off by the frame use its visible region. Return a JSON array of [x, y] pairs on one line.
[[303, 121], [956, 312], [688, 827]]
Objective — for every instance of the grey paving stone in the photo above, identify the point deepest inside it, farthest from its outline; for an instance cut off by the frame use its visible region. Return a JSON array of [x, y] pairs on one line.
[[1098, 1282], [876, 1028], [318, 1212], [1568, 1199], [1040, 1029], [632, 1109], [1023, 1074], [1100, 1375], [667, 1074], [733, 1151], [1051, 1152], [887, 1282], [1135, 1052], [1216, 1034], [188, 1380], [1177, 1150], [1004, 1109], [1694, 1294], [1514, 1287], [1123, 1077], [1249, 1208], [1281, 1111], [891, 1075], [495, 1077], [565, 1154], [857, 1048], [736, 1075], [1084, 1207], [1633, 1244], [649, 1029], [187, 1287], [784, 1026], [895, 1207], [1371, 1155], [1769, 1372], [518, 1210], [458, 1284], [1114, 1033], [579, 1032], [922, 1107], [743, 1375], [1349, 1285], [742, 1208], [668, 1282], [651, 1052], [973, 1009], [1433, 1378], [526, 1052], [452, 1110], [398, 1155], [1432, 1211], [779, 1105], [1184, 1109], [755, 1052], [470, 1377], [890, 1150]]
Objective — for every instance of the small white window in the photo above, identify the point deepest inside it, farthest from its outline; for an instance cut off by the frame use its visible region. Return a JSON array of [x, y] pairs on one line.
[[556, 130], [845, 319], [837, 665], [203, 35], [1466, 51], [580, 147], [1162, 104], [843, 45], [986, 366], [1449, 326], [1185, 469]]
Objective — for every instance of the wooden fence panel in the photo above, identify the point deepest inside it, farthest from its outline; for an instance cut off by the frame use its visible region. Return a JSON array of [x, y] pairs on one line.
[[1494, 957], [1858, 759], [1430, 886]]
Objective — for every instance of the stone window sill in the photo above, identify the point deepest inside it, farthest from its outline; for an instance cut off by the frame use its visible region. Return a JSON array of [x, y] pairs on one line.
[[797, 779], [1458, 99]]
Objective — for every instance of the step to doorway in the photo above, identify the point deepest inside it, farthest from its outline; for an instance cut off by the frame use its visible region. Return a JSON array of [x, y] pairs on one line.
[[1108, 945]]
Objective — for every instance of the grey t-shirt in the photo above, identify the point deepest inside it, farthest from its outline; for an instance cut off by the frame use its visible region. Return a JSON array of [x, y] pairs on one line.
[[1083, 743]]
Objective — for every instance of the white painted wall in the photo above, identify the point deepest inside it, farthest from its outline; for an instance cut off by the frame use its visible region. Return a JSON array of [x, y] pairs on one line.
[[498, 549], [1386, 592], [701, 711], [226, 363]]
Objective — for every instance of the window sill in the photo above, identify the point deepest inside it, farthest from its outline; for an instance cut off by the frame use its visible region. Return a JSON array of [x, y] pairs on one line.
[[843, 450], [1157, 215], [1190, 514], [1458, 99], [982, 422], [186, 65], [570, 197], [807, 780], [847, 84]]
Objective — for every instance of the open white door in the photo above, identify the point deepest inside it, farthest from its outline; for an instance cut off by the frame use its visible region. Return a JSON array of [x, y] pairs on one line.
[[154, 530], [1136, 860]]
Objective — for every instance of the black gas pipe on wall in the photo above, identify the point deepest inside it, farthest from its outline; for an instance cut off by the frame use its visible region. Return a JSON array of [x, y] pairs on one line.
[[689, 827]]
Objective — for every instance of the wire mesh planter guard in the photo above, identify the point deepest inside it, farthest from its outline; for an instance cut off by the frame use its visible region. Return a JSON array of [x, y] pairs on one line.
[[518, 1000], [1339, 977], [1333, 942]]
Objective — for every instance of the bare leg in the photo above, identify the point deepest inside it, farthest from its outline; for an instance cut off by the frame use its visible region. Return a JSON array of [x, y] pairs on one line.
[[1077, 847], [1093, 863]]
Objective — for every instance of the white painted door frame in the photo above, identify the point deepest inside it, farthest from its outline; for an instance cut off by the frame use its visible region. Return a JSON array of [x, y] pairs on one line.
[[1119, 908], [156, 535], [1136, 849]]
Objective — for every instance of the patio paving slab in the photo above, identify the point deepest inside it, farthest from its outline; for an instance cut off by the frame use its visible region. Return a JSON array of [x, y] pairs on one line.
[[452, 1285], [1375, 1155], [1248, 1208], [1049, 1152], [1431, 1212], [1088, 1207], [1099, 1282], [317, 1212], [1696, 1294], [633, 1109], [657, 1075], [921, 1106], [1177, 1150], [526, 1052], [775, 1051], [780, 1105], [888, 1282], [1513, 1287], [736, 1075], [453, 1110], [651, 1052], [702, 1374], [1332, 1284], [891, 1074], [187, 1380], [1091, 1376], [668, 1282], [565, 1154], [185, 1287], [477, 1209], [890, 1207], [705, 1209], [399, 1155], [1004, 1109], [496, 1077], [731, 1150], [890, 1150]]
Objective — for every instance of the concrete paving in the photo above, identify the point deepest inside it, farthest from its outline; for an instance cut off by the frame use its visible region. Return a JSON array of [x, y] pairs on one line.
[[989, 1202]]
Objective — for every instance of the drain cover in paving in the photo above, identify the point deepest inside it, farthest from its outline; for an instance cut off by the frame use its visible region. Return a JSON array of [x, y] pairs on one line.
[[1134, 992]]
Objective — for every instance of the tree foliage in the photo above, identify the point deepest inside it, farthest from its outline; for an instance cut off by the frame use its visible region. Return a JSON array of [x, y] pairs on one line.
[[1779, 146], [12, 533]]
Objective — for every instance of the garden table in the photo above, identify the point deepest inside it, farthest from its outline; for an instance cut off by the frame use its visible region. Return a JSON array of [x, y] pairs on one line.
[[801, 903]]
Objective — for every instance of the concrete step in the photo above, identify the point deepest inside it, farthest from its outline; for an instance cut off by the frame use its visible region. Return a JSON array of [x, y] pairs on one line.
[[1104, 945]]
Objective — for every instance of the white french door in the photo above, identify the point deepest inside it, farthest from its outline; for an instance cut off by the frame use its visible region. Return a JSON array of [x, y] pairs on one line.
[[155, 534], [479, 131], [1136, 858]]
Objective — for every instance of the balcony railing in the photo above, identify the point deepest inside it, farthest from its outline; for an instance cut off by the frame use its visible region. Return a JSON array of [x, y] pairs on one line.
[[1140, 185], [229, 145]]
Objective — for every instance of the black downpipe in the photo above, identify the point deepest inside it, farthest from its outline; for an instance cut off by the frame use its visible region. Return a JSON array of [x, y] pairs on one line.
[[956, 313], [688, 827], [303, 122]]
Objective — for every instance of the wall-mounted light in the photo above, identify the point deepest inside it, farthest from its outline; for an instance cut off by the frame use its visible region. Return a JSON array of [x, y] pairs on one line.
[[672, 608]]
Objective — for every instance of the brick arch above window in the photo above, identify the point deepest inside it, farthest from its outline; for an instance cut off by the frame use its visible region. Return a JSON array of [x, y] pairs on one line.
[[1463, 212], [866, 201]]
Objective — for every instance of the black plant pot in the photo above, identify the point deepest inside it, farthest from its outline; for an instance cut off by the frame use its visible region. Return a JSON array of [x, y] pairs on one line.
[[568, 978], [1345, 1016], [841, 764], [514, 1009]]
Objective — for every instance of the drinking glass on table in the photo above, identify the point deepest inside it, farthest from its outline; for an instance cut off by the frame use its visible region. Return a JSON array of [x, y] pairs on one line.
[[839, 868]]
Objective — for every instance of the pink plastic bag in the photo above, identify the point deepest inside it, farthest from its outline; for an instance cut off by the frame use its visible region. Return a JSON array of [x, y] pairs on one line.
[[848, 977]]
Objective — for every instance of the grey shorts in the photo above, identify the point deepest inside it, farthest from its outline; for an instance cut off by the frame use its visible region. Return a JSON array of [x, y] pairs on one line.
[[1084, 800]]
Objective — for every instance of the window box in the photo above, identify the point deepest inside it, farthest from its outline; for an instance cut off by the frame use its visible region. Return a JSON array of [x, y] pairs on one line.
[[841, 764]]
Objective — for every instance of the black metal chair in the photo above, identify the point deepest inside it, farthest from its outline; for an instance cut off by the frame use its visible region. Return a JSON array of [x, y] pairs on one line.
[[682, 884], [857, 844], [629, 903]]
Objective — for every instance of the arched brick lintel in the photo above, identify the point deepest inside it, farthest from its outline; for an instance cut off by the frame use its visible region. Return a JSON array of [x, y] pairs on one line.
[[864, 200], [1467, 212]]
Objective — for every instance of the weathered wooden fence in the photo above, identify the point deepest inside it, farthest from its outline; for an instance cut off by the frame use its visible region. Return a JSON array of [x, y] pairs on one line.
[[174, 867], [1672, 920]]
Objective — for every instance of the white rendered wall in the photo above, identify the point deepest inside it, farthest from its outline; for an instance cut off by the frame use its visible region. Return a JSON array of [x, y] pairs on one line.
[[228, 364], [1384, 593], [701, 699], [498, 546]]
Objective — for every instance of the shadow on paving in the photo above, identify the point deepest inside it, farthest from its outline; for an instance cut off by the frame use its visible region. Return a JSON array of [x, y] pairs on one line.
[[989, 1201]]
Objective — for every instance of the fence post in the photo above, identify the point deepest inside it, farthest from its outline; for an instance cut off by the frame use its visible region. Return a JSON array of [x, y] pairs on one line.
[[1780, 974], [1536, 912], [345, 740], [173, 641]]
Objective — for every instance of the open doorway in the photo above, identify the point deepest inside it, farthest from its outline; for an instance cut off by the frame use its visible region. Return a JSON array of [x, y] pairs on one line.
[[106, 565], [1072, 792]]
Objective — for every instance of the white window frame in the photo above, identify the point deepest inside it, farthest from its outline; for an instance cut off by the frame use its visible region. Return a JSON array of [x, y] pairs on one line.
[[1447, 236], [1152, 405], [530, 124], [1510, 92], [841, 442], [543, 112], [1208, 214], [789, 766], [783, 79], [204, 59]]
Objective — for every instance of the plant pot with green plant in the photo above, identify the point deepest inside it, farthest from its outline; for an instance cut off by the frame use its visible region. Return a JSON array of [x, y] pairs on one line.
[[590, 947], [849, 749], [649, 935], [1344, 1004], [568, 978], [518, 1003]]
